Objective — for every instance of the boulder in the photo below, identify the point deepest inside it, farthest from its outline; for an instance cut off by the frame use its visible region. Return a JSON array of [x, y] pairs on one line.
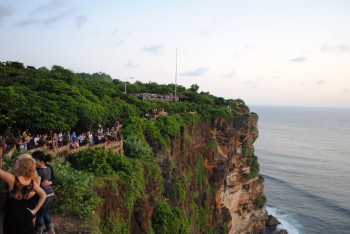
[[283, 231], [271, 221]]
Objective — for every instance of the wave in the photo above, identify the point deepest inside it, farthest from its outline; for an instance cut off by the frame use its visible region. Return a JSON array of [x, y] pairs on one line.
[[286, 219], [321, 201]]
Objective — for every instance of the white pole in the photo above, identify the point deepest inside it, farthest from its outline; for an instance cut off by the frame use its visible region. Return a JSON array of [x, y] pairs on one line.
[[176, 77], [125, 83]]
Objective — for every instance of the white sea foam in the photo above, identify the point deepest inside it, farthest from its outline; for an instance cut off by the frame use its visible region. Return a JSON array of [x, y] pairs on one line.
[[286, 219]]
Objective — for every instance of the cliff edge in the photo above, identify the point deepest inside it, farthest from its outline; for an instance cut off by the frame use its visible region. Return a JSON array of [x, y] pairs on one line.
[[228, 189]]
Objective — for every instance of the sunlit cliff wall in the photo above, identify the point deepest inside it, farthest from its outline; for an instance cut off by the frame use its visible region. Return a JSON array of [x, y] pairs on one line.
[[228, 189]]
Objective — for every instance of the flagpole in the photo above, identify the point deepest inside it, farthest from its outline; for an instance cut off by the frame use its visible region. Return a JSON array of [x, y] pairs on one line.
[[176, 99]]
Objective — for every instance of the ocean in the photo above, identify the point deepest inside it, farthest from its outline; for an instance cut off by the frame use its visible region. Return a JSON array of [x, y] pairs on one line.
[[304, 156]]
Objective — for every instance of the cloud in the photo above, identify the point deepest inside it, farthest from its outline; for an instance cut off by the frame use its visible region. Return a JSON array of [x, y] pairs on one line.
[[197, 72], [115, 32], [51, 13], [250, 83], [50, 6], [209, 29], [337, 48], [320, 82], [47, 20], [252, 46], [231, 75], [299, 59], [80, 20], [132, 64], [346, 90], [154, 49], [119, 43], [5, 11]]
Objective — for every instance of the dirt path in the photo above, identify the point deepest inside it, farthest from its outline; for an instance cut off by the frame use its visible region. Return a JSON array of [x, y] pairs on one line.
[[62, 224]]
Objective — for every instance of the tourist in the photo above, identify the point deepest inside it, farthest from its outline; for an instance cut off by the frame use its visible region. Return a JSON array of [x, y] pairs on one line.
[[60, 139], [81, 138], [18, 214], [45, 172], [55, 140], [24, 140], [74, 140], [91, 138], [36, 140]]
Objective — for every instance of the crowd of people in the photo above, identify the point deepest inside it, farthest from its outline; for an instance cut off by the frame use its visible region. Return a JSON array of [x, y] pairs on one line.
[[150, 96], [153, 113], [29, 185], [29, 195], [25, 140]]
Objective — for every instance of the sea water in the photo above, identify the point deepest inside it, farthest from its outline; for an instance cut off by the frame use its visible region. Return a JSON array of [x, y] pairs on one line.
[[304, 156]]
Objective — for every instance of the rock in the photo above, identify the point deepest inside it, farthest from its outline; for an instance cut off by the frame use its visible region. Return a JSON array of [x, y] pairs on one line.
[[283, 231], [271, 221]]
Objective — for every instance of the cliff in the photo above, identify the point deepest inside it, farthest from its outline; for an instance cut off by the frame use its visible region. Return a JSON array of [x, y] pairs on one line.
[[237, 200], [209, 183]]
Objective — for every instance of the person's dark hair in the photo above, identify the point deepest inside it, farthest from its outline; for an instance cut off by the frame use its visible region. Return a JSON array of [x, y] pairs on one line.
[[41, 156]]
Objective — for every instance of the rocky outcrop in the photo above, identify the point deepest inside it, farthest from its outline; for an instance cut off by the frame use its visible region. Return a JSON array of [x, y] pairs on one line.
[[271, 221], [237, 206], [239, 192]]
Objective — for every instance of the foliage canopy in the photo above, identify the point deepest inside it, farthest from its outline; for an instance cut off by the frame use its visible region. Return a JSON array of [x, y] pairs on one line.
[[59, 99]]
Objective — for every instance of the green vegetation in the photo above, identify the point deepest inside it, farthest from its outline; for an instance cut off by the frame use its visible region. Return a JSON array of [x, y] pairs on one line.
[[200, 171], [168, 219], [260, 201], [213, 145], [74, 190], [254, 167], [58, 99]]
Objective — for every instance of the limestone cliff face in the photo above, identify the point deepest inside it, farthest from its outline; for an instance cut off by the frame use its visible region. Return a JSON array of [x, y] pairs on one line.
[[232, 191]]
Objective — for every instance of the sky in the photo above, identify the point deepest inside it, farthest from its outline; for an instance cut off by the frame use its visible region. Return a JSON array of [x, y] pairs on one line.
[[271, 52]]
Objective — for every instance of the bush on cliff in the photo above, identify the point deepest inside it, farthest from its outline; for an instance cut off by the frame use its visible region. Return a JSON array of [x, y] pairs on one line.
[[74, 190], [254, 167], [169, 220], [136, 147], [260, 201]]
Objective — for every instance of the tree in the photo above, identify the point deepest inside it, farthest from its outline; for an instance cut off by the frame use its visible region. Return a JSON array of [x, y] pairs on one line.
[[194, 88]]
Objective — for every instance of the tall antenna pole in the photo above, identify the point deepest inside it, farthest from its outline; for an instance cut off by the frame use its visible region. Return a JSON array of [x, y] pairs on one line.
[[176, 77]]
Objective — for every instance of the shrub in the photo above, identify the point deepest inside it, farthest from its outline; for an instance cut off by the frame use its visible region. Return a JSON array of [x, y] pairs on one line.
[[200, 171], [94, 160], [74, 190], [254, 168], [213, 144], [114, 223], [130, 173], [260, 201], [137, 148], [167, 219]]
